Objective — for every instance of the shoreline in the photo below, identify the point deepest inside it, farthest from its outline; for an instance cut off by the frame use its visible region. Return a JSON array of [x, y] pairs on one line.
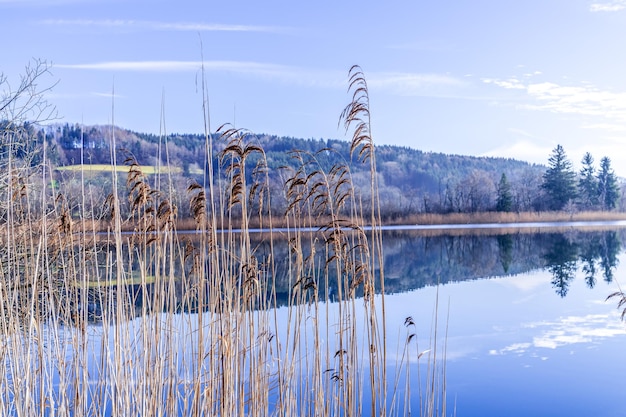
[[423, 222]]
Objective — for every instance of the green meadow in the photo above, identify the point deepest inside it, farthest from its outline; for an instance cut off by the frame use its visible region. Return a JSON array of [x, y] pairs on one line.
[[103, 168]]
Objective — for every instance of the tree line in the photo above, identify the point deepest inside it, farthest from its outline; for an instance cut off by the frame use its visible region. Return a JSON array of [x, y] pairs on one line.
[[591, 189], [557, 187], [411, 181]]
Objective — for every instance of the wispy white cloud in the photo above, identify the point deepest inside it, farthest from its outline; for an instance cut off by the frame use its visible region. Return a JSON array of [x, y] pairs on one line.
[[523, 149], [164, 26], [605, 126], [82, 96], [412, 80], [514, 348], [181, 66], [611, 6], [417, 84], [159, 66], [106, 95], [394, 83], [584, 99], [510, 84], [274, 72]]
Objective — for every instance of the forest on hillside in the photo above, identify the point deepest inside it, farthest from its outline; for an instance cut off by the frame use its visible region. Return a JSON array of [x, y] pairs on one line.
[[410, 181]]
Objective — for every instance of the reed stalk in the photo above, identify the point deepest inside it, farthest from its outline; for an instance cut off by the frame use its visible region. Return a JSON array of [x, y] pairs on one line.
[[141, 320]]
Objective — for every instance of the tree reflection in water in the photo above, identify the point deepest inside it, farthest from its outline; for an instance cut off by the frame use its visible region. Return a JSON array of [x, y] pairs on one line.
[[505, 249], [608, 258], [412, 261], [563, 252], [589, 250], [561, 258]]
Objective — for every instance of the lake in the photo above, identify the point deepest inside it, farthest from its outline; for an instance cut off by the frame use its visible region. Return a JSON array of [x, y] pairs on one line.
[[512, 321], [529, 330]]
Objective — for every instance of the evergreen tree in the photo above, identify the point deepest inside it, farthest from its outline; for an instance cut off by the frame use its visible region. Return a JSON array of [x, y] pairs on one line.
[[559, 181], [588, 183], [505, 198], [608, 190]]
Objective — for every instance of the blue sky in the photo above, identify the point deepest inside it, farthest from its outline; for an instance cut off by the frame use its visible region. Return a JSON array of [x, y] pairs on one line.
[[483, 77]]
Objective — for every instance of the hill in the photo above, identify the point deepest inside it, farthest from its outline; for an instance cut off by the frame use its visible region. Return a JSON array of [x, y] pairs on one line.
[[410, 180]]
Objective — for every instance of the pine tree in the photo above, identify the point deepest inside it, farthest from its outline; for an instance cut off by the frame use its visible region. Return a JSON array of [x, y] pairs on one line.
[[588, 183], [505, 198], [608, 190], [559, 181]]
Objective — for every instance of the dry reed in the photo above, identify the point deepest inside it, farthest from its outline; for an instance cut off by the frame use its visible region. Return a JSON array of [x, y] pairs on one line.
[[155, 323]]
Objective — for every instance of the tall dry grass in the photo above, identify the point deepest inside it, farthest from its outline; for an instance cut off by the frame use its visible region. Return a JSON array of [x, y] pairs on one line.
[[153, 323], [506, 217]]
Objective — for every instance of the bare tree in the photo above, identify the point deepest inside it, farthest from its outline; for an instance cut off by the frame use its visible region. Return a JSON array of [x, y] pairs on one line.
[[526, 188], [476, 192], [23, 105], [26, 102]]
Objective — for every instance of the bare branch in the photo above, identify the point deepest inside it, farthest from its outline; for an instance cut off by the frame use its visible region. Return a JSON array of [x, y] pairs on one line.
[[26, 102]]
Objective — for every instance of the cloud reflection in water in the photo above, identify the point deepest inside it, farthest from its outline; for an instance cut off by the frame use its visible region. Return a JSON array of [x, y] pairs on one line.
[[568, 331]]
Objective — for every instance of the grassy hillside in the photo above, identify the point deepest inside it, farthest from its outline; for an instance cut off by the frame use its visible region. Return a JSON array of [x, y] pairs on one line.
[[411, 181], [102, 168]]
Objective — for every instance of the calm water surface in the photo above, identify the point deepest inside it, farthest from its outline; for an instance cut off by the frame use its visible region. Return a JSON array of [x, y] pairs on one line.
[[530, 332]]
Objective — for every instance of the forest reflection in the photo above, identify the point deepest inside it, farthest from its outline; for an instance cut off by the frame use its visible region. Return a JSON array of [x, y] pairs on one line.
[[596, 254], [412, 261]]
